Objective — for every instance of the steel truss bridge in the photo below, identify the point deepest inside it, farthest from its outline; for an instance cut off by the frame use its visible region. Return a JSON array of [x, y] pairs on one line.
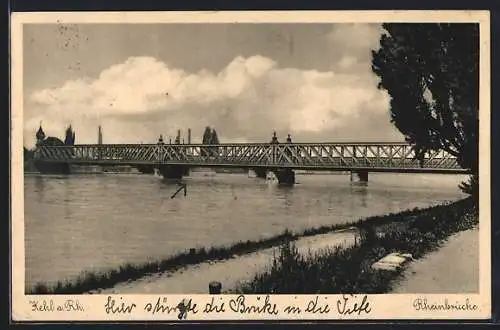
[[372, 157]]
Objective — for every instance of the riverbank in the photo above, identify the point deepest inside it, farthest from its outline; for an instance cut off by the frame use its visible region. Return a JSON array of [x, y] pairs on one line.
[[350, 270], [230, 272]]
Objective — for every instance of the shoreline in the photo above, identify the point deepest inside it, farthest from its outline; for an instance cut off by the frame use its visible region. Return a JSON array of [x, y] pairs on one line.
[[230, 273], [88, 281]]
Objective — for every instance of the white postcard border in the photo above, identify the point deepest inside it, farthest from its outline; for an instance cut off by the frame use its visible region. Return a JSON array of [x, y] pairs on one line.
[[387, 306]]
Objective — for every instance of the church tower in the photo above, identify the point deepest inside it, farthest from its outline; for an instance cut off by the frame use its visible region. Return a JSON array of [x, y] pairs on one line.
[[40, 135], [69, 140]]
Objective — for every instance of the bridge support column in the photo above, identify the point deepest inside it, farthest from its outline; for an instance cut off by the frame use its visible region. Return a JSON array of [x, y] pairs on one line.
[[146, 169], [52, 167], [285, 176], [173, 171], [359, 176], [260, 172]]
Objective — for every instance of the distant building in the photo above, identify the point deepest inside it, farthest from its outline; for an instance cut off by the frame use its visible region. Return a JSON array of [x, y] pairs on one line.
[[43, 140], [50, 167]]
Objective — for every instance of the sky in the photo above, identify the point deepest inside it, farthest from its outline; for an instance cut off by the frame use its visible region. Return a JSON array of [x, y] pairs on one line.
[[313, 81]]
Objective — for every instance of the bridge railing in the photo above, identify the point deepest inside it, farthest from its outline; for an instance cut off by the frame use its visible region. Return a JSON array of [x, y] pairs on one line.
[[313, 155]]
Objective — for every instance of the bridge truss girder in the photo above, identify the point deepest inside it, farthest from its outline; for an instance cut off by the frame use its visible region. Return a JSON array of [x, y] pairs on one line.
[[298, 155]]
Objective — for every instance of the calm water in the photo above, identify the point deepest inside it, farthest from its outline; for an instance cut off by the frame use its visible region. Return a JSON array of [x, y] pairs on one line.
[[96, 222]]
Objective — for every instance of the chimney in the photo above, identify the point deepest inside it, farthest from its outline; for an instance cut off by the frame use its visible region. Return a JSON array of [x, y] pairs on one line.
[[189, 136], [99, 137], [178, 137]]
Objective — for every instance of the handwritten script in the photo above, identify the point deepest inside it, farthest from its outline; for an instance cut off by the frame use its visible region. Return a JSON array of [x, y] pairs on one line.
[[423, 304], [240, 307], [241, 304], [48, 305], [252, 306]]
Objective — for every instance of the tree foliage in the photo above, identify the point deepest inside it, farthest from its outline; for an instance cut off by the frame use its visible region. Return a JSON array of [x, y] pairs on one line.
[[431, 72], [214, 139], [210, 137], [207, 135], [28, 154]]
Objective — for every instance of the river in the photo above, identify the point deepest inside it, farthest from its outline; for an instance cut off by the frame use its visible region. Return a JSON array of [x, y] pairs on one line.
[[97, 222]]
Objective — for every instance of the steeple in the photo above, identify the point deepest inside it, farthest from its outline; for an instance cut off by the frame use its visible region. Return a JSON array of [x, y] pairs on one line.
[[69, 139], [40, 134]]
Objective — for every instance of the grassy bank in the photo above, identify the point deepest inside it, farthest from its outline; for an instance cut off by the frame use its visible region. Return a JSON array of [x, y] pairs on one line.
[[349, 270], [89, 281]]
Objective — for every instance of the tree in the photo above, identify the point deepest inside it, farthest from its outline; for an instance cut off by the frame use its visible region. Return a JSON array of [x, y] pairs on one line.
[[431, 72], [214, 139], [207, 135]]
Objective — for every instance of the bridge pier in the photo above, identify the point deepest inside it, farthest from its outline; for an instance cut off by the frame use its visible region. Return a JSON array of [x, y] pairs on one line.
[[359, 176], [173, 171], [52, 167], [285, 176], [260, 172], [146, 169]]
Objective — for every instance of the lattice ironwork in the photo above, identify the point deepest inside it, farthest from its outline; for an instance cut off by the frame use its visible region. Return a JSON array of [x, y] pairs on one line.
[[333, 156]]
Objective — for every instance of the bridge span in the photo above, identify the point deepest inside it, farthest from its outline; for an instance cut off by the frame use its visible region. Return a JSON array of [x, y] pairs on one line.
[[173, 160]]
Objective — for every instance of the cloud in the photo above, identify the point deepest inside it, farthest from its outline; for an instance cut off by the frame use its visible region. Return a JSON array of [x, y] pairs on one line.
[[143, 97], [350, 37]]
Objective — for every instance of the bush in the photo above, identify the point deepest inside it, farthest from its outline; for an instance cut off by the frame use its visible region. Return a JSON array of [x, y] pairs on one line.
[[471, 187]]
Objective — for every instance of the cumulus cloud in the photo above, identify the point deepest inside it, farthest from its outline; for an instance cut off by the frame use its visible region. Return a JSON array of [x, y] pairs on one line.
[[143, 97]]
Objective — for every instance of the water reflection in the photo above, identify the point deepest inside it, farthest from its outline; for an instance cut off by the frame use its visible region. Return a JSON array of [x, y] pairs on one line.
[[40, 188], [284, 193], [39, 183], [359, 190]]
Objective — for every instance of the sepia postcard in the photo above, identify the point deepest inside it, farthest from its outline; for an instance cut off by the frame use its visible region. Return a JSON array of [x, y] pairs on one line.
[[278, 165]]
